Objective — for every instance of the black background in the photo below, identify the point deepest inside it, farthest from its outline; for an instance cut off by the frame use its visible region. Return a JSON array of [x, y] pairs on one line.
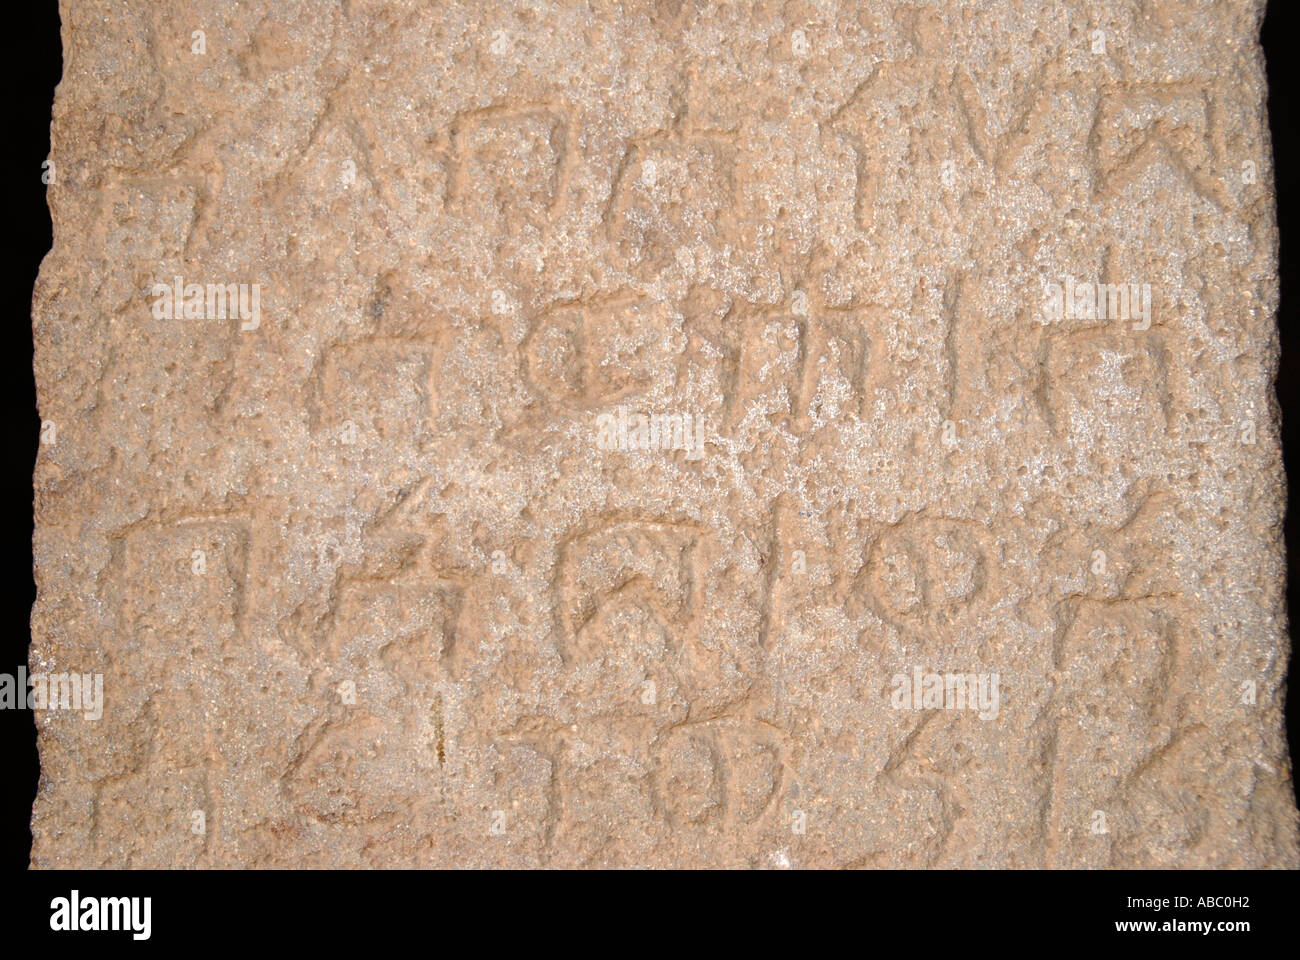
[[34, 65]]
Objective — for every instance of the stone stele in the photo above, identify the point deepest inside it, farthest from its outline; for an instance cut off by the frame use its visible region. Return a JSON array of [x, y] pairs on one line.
[[800, 434]]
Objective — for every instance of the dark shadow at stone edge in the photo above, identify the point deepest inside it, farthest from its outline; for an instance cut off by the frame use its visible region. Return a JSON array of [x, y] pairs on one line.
[[1277, 37]]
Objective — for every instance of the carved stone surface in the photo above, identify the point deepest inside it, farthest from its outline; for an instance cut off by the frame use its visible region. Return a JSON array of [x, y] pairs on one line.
[[662, 434]]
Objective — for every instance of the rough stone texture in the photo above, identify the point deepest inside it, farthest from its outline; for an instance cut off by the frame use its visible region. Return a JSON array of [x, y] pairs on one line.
[[366, 585]]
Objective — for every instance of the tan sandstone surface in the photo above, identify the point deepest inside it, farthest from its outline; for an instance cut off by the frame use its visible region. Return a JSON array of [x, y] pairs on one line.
[[773, 434]]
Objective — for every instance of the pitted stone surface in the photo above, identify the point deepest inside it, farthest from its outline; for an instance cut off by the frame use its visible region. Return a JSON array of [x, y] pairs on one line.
[[662, 434]]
